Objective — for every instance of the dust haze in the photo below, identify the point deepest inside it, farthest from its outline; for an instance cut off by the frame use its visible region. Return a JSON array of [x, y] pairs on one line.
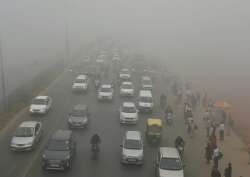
[[206, 41]]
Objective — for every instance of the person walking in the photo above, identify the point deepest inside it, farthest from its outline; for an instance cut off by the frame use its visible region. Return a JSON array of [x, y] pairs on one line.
[[215, 172], [217, 155], [221, 130], [208, 153], [228, 171]]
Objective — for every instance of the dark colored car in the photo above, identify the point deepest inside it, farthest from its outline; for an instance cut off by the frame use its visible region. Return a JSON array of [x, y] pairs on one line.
[[79, 116], [59, 151]]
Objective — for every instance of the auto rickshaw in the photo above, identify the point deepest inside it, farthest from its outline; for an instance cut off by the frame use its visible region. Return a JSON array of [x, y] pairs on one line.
[[153, 130]]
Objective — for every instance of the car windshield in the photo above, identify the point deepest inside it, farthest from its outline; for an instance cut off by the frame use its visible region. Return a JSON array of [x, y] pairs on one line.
[[24, 132], [77, 113], [58, 145], [126, 86], [170, 164], [124, 72], [128, 109], [80, 81], [132, 144], [104, 89], [147, 82], [146, 99], [39, 101]]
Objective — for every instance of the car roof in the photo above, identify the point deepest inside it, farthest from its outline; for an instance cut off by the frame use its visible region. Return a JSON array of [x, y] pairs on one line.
[[106, 86], [62, 135], [42, 97], [81, 76], [28, 124], [133, 135], [154, 121], [145, 93], [127, 83], [80, 107], [128, 104], [169, 152]]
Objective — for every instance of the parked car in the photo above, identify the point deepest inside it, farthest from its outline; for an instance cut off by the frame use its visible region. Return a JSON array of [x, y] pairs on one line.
[[60, 151], [127, 89], [80, 84], [128, 113], [105, 92], [79, 116], [26, 136], [40, 105], [168, 163], [132, 148]]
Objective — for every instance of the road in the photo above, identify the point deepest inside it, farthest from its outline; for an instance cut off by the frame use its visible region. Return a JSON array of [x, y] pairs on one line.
[[104, 120]]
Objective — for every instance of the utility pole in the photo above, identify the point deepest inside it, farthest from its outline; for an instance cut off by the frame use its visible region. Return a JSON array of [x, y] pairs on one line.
[[3, 83]]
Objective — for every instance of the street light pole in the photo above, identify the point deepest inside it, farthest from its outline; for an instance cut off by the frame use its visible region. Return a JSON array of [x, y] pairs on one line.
[[3, 85], [66, 36]]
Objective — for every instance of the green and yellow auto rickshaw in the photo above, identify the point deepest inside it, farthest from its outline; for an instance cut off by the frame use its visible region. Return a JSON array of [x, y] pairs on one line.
[[154, 130]]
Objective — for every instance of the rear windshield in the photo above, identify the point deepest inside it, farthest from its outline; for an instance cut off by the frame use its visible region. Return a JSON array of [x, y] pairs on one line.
[[39, 101], [58, 145], [132, 144], [170, 164], [80, 80], [24, 132], [146, 99], [128, 109]]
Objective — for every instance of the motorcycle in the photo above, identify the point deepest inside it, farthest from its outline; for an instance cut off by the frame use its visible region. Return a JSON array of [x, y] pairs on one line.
[[95, 150], [169, 119]]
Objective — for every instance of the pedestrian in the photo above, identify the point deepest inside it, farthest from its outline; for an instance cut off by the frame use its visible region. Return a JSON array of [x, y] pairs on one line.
[[248, 149], [221, 131], [208, 125], [217, 155], [230, 124], [228, 170], [208, 153], [215, 172]]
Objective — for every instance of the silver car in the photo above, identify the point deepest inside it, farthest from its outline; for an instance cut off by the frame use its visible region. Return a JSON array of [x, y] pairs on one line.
[[40, 105], [26, 136], [132, 148]]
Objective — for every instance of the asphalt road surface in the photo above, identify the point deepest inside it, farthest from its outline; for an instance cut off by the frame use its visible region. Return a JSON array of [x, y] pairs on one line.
[[105, 121]]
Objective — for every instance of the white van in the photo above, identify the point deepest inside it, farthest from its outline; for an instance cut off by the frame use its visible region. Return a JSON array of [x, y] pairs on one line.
[[145, 101]]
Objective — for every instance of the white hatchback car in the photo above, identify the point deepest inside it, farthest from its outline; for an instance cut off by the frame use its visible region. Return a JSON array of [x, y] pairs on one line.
[[128, 113], [168, 163], [80, 83], [146, 83], [132, 148], [105, 92], [127, 89], [26, 136], [40, 105]]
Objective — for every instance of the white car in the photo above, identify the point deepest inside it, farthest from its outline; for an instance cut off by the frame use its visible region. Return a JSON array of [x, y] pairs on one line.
[[127, 89], [26, 136], [168, 163], [105, 92], [132, 148], [125, 74], [40, 105], [145, 101], [128, 113], [80, 84], [147, 83]]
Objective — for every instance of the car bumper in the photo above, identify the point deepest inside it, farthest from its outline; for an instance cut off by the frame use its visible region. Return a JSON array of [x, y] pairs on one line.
[[146, 109], [33, 112], [55, 165], [127, 94], [132, 161], [104, 98], [21, 148], [128, 121], [77, 125]]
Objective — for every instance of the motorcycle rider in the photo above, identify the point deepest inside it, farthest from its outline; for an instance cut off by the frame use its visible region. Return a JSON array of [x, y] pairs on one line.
[[163, 100], [95, 141], [169, 115], [180, 144]]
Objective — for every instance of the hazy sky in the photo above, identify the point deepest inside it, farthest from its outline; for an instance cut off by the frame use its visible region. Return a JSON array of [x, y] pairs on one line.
[[195, 36]]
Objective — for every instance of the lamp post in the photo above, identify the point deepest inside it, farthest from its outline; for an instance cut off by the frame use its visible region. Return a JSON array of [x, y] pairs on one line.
[[3, 83]]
